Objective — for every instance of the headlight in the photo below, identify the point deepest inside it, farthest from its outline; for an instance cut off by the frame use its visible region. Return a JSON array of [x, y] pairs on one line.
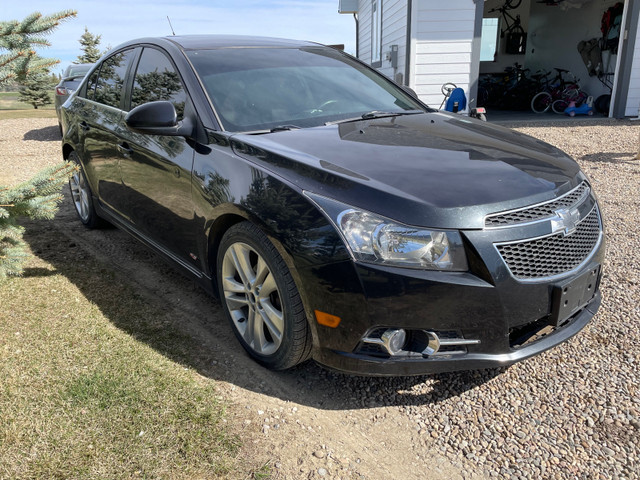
[[375, 239]]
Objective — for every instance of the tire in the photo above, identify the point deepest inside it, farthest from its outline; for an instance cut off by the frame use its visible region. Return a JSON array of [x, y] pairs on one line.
[[559, 106], [82, 197], [541, 102], [260, 299], [603, 103]]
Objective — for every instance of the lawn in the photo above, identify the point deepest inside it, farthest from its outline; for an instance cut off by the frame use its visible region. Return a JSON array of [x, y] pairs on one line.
[[10, 105], [81, 398]]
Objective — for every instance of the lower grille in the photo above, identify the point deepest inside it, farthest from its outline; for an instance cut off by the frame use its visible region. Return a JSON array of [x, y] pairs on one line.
[[555, 254]]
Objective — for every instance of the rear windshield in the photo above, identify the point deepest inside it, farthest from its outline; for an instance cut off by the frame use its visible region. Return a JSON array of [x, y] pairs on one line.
[[264, 88], [76, 70]]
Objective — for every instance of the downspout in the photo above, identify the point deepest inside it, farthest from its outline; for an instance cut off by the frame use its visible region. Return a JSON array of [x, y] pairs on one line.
[[355, 17], [407, 55]]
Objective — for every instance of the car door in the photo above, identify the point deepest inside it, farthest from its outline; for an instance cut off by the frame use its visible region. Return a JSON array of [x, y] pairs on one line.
[[156, 169], [101, 119]]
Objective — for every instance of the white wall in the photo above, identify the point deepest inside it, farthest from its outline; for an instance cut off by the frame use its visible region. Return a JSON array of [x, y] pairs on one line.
[[503, 59], [633, 98], [364, 25], [394, 32], [554, 35], [442, 34]]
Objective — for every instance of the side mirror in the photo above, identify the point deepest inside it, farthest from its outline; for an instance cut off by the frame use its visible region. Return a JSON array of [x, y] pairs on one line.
[[158, 118]]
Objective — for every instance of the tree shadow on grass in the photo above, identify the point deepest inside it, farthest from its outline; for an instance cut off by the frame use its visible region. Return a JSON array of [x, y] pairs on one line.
[[44, 134], [153, 303]]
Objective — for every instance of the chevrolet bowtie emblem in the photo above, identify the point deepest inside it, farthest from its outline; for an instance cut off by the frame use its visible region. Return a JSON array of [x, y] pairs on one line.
[[565, 221]]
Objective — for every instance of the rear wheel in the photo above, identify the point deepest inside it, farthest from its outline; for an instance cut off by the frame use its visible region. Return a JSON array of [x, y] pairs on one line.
[[260, 299], [82, 197], [541, 102], [559, 106]]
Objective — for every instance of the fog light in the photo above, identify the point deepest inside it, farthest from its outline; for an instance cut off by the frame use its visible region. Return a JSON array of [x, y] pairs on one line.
[[393, 340]]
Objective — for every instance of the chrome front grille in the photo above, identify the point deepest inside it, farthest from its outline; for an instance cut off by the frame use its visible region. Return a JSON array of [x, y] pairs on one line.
[[537, 212], [554, 254]]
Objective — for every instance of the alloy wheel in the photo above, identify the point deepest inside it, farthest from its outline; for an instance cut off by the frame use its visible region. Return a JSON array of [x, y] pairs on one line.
[[253, 298], [80, 193]]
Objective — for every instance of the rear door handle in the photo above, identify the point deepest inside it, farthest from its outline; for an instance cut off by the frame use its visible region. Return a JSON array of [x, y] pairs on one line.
[[125, 150], [84, 126]]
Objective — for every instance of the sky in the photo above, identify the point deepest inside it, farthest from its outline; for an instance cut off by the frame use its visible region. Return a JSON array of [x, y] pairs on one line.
[[121, 20]]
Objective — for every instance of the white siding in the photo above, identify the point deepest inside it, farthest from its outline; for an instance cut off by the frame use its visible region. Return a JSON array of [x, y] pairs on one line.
[[443, 36], [364, 41], [394, 32], [633, 97]]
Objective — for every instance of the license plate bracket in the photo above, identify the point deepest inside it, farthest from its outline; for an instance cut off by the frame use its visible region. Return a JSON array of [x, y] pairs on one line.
[[571, 295]]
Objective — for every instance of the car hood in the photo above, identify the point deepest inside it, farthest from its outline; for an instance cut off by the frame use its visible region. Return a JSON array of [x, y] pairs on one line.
[[434, 169]]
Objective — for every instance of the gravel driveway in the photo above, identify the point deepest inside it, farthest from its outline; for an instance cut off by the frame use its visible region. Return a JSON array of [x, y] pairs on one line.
[[573, 412]]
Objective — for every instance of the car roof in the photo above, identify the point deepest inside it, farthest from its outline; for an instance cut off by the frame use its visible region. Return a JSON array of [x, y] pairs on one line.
[[205, 42]]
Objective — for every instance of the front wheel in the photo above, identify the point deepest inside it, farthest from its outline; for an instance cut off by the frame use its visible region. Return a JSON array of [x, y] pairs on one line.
[[541, 102], [260, 299]]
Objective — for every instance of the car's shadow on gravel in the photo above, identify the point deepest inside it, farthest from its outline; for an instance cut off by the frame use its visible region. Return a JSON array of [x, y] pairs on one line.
[[188, 326], [45, 134]]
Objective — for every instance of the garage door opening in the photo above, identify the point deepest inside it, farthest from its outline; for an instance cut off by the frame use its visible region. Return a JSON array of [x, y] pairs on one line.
[[551, 57]]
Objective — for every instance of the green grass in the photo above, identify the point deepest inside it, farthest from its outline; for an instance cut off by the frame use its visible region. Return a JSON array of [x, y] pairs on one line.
[[33, 113], [10, 101], [83, 397]]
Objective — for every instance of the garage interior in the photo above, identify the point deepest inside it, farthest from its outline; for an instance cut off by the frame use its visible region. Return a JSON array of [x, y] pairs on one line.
[[524, 39]]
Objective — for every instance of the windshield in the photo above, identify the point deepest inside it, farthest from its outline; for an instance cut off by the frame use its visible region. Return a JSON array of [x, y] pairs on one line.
[[266, 88]]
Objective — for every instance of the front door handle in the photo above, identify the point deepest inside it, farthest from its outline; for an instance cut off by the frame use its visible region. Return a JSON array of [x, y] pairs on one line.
[[125, 150]]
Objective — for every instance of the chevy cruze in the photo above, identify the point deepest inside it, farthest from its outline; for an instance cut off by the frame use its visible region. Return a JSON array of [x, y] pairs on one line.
[[336, 216]]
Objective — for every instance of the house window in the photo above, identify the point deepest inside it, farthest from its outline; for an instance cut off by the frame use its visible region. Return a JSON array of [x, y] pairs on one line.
[[376, 33], [489, 39]]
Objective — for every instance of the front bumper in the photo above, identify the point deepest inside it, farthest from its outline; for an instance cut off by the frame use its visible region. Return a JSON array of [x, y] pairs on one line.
[[366, 365], [487, 304]]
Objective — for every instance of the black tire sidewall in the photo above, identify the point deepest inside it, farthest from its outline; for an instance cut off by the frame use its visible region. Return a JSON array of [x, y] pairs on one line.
[[247, 233]]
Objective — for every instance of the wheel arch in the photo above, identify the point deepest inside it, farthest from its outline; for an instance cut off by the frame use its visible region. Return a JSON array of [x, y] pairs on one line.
[[67, 150], [223, 223]]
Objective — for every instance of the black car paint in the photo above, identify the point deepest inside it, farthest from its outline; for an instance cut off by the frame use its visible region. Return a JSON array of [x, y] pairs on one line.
[[226, 177]]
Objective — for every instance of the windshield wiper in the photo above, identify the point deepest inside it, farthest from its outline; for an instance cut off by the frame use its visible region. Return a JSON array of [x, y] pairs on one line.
[[375, 114], [281, 128]]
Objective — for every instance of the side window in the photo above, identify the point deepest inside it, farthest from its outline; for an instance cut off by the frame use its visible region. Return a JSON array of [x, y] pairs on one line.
[[157, 79], [91, 84], [110, 85]]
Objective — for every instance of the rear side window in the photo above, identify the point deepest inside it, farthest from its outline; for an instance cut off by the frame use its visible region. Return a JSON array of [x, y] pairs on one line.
[[109, 88], [157, 79]]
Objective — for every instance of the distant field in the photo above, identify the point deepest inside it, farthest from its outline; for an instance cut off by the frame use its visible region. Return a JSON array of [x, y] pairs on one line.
[[9, 101]]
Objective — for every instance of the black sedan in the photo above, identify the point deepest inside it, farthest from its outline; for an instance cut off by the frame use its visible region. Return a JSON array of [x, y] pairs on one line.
[[336, 216], [69, 82]]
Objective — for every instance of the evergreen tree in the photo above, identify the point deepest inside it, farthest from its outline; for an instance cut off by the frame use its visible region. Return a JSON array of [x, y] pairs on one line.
[[36, 90], [89, 46], [20, 39], [36, 198]]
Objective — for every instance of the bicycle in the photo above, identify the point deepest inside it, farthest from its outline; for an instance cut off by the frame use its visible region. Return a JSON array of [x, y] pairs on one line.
[[558, 94], [516, 36]]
